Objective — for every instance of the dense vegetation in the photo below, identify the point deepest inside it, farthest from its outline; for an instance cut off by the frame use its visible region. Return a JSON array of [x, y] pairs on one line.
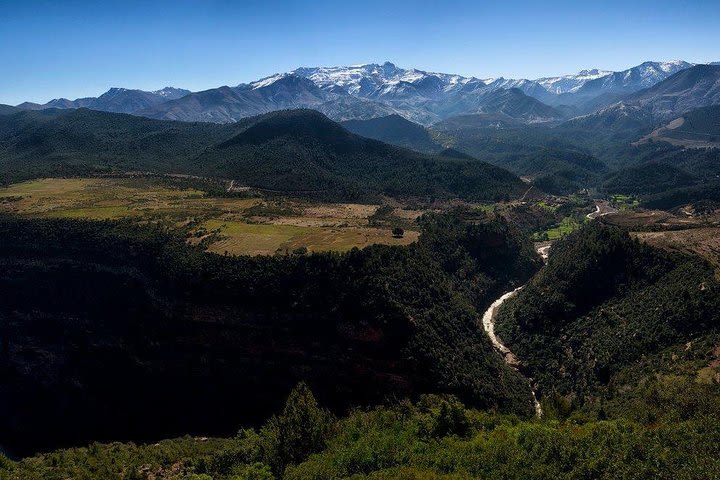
[[700, 124], [395, 130], [666, 176], [555, 164], [603, 303], [161, 339], [648, 178], [299, 151], [434, 438]]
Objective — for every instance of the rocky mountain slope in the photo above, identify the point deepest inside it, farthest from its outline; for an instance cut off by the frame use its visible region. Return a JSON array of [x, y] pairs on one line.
[[688, 89]]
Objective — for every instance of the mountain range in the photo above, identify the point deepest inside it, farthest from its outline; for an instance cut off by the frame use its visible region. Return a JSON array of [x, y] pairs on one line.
[[116, 100], [686, 90], [378, 90]]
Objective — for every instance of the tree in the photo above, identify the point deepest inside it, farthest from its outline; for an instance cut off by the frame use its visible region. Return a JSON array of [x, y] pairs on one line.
[[302, 429], [398, 232]]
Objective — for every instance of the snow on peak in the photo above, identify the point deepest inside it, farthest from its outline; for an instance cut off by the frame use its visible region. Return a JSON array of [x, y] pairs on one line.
[[264, 82], [378, 79], [571, 83]]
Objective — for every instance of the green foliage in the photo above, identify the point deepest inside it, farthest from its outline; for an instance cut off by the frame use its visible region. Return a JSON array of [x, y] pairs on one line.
[[436, 438], [624, 202], [299, 151], [556, 165], [255, 471], [648, 178], [358, 327], [603, 303], [566, 226], [390, 444], [301, 429], [384, 217], [128, 461], [665, 176]]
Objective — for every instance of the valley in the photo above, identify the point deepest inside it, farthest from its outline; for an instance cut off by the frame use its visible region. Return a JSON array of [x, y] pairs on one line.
[[364, 272]]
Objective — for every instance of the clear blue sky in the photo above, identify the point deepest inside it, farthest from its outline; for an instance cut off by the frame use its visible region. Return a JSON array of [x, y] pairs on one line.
[[51, 49]]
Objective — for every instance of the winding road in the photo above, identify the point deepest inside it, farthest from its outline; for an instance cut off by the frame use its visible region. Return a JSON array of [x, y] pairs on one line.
[[602, 208]]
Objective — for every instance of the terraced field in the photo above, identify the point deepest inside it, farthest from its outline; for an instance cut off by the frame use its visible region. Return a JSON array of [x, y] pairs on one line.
[[242, 226]]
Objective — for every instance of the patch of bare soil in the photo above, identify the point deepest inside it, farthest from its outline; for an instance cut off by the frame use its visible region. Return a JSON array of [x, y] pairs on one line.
[[704, 242], [649, 218], [688, 139]]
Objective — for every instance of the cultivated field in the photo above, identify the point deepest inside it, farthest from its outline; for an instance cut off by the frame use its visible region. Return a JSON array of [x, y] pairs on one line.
[[242, 226]]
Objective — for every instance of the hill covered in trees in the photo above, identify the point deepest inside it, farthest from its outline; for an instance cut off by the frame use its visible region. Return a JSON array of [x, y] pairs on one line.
[[604, 305], [666, 176], [554, 165], [395, 130], [297, 151], [161, 339]]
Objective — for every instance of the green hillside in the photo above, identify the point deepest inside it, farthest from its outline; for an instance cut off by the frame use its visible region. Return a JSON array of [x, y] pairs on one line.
[[395, 130], [702, 124], [434, 438], [604, 303], [296, 151]]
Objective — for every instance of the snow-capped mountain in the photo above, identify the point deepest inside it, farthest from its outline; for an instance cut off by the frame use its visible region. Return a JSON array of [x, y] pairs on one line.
[[686, 90], [373, 80], [372, 90], [277, 92], [399, 87], [571, 83], [633, 79], [171, 93]]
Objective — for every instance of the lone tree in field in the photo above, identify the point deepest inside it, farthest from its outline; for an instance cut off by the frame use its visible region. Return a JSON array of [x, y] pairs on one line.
[[398, 232]]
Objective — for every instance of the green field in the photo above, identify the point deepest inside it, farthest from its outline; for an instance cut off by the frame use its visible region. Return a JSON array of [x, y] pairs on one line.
[[566, 226], [243, 226], [624, 202]]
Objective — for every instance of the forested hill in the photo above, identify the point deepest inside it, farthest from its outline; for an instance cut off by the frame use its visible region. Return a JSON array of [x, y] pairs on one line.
[[395, 130], [606, 304], [172, 340], [7, 109], [296, 151]]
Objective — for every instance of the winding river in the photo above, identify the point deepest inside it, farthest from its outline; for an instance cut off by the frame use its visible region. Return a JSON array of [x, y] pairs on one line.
[[488, 322]]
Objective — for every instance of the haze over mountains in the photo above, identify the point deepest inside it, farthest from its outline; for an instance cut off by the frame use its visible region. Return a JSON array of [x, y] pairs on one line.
[[374, 90], [117, 100], [684, 91]]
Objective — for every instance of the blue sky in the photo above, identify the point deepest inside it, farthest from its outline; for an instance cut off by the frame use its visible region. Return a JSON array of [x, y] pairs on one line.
[[51, 49]]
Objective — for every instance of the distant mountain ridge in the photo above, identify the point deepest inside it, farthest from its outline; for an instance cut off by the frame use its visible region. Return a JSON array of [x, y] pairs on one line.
[[686, 90], [115, 100], [363, 92], [379, 90]]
